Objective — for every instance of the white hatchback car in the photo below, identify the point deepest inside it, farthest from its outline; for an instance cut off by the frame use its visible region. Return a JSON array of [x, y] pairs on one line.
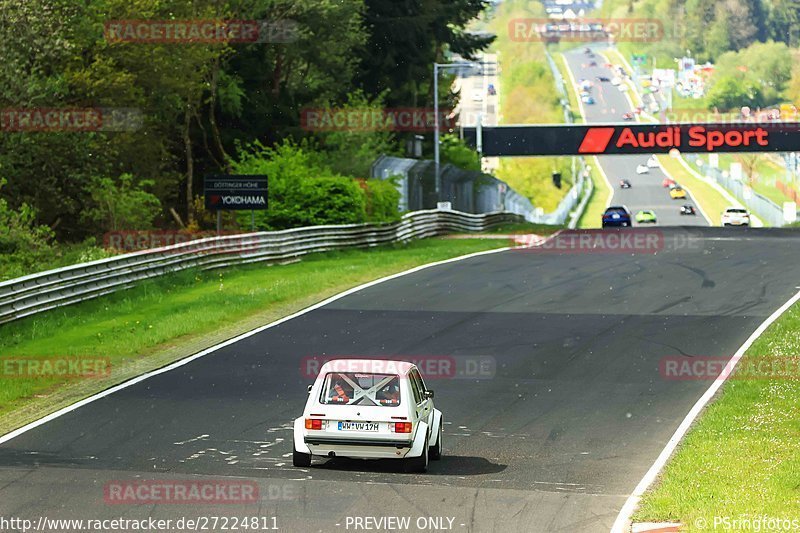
[[369, 409], [735, 216]]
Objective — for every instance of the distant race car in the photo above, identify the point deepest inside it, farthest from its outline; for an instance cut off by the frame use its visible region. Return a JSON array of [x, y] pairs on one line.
[[616, 80], [624, 184], [477, 95], [603, 79], [627, 116], [652, 162], [688, 209], [646, 216], [588, 99], [369, 409], [592, 63], [642, 169], [617, 216], [735, 216], [622, 87], [491, 90], [677, 193], [668, 182]]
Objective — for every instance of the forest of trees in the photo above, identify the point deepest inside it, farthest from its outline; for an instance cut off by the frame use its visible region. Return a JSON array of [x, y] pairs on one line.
[[205, 107], [753, 44]]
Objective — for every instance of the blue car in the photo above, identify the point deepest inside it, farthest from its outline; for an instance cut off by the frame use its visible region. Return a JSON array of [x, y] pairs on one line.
[[617, 216]]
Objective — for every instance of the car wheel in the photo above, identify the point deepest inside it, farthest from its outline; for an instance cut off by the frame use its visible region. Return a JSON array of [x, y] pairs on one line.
[[300, 458], [435, 451], [417, 464]]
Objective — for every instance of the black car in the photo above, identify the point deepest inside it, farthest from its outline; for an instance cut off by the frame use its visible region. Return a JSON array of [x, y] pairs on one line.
[[688, 210], [624, 184], [592, 63], [617, 216], [603, 79]]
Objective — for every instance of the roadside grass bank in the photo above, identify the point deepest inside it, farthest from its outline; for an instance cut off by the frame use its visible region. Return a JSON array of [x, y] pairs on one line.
[[706, 197], [527, 96], [168, 318], [592, 216], [740, 459]]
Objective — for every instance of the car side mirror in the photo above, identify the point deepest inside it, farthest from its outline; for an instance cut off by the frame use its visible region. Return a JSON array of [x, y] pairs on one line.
[[309, 388], [429, 394]]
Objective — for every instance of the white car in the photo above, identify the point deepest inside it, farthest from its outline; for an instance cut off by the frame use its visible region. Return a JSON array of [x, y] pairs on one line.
[[652, 162], [369, 409], [642, 169], [622, 87], [616, 80], [477, 95], [735, 216]]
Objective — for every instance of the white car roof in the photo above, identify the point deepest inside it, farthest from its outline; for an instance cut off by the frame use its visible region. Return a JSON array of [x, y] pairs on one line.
[[376, 366]]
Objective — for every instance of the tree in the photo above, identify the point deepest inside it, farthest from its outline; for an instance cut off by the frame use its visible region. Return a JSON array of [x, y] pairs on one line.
[[121, 204], [729, 93]]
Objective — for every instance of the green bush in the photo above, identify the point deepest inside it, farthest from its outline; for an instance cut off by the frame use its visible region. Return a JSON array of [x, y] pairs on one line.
[[121, 204], [302, 190], [383, 199], [23, 243], [457, 153]]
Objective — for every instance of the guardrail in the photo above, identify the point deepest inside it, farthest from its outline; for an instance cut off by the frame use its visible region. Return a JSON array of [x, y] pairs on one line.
[[39, 292]]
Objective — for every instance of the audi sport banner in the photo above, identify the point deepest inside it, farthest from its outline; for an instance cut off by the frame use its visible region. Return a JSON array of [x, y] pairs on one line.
[[235, 192], [593, 139]]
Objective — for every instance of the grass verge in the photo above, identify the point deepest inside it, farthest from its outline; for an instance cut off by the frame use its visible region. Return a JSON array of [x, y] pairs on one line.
[[707, 198], [169, 318], [528, 96], [592, 215], [740, 459]]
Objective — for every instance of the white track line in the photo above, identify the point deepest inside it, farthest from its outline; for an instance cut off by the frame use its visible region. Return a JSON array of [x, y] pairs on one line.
[[621, 523], [17, 432], [608, 183], [574, 85]]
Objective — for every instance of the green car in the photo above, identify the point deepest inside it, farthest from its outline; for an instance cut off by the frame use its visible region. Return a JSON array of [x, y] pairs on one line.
[[646, 217]]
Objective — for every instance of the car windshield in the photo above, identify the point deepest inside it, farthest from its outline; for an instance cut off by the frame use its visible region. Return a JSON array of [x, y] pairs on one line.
[[356, 388]]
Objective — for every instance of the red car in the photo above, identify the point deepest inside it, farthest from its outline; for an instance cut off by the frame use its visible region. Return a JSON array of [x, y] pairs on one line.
[[668, 182]]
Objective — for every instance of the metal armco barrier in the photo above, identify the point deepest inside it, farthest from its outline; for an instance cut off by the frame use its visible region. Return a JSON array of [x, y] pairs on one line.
[[39, 292]]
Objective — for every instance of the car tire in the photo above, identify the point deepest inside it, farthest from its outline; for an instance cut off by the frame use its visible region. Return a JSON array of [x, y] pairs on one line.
[[300, 459], [435, 451], [417, 464]]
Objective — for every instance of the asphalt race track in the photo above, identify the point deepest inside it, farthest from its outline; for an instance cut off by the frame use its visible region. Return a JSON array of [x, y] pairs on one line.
[[647, 191], [554, 439]]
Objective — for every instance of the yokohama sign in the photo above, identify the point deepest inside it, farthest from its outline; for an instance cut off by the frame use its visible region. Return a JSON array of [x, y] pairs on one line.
[[637, 139]]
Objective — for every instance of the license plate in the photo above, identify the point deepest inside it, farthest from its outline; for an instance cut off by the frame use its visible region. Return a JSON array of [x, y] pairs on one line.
[[358, 426], [614, 216]]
